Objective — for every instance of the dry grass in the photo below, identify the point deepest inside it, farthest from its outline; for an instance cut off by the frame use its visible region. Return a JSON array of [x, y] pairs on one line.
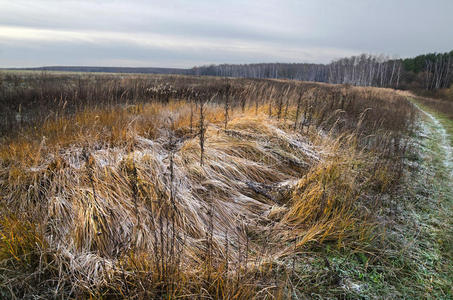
[[111, 200]]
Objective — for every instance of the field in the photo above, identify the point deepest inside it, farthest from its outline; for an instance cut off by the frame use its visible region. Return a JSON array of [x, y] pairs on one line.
[[150, 186]]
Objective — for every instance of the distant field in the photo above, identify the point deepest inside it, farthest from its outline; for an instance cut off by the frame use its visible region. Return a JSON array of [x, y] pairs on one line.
[[179, 186], [84, 69]]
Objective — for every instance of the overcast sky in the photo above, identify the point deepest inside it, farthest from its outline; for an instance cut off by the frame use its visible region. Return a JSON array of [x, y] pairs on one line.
[[185, 33]]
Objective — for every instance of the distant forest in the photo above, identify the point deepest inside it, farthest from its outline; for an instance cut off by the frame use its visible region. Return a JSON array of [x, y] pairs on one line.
[[425, 72], [430, 71]]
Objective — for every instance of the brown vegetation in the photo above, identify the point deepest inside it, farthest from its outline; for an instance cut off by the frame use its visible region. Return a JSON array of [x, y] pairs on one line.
[[172, 186]]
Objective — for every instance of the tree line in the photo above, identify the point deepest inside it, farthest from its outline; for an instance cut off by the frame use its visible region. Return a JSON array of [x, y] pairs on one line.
[[430, 72]]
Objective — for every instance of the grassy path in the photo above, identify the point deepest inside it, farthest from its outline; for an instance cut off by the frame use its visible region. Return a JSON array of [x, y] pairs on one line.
[[431, 209], [444, 128]]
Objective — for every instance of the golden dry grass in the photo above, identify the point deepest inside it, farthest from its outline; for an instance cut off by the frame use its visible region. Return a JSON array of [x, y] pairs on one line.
[[117, 199]]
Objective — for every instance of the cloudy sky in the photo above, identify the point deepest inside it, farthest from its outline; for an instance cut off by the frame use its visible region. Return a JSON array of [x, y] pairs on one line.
[[185, 33]]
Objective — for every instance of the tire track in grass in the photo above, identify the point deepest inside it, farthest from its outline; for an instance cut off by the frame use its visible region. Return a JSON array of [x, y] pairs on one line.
[[445, 139], [435, 217]]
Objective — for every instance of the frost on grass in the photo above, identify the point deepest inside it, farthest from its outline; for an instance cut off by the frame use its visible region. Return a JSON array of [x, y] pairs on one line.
[[118, 199]]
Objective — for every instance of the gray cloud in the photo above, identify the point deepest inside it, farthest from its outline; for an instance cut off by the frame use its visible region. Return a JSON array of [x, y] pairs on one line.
[[184, 33]]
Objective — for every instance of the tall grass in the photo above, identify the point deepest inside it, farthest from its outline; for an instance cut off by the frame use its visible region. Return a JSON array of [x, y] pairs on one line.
[[110, 192]]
